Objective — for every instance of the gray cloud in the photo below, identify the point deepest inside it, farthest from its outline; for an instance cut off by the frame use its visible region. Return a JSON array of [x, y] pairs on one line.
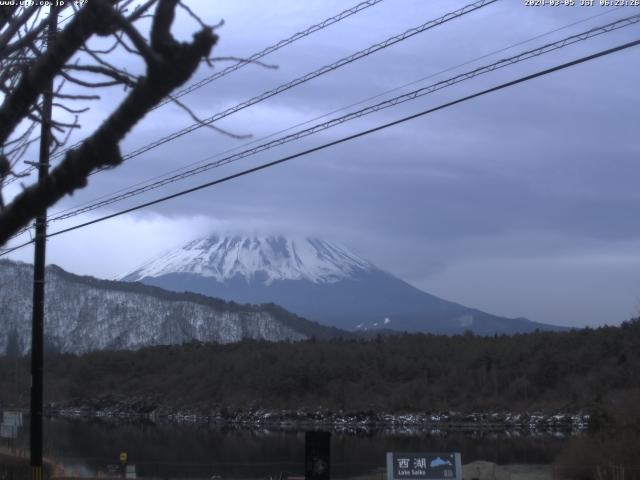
[[522, 202]]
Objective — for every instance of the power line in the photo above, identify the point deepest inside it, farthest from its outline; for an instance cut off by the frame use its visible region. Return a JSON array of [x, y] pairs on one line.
[[360, 102], [382, 105], [309, 76], [63, 20], [343, 139], [256, 56], [486, 55], [282, 43], [357, 114], [30, 169], [7, 251]]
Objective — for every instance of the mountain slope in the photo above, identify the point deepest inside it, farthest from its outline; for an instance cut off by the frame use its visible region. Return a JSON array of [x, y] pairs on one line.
[[84, 314], [264, 259], [319, 280]]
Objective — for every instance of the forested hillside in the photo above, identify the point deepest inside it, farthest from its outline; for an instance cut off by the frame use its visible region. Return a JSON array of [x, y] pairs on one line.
[[85, 314], [566, 370]]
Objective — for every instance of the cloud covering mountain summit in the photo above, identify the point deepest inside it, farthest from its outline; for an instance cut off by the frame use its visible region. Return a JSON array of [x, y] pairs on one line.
[[317, 279], [269, 258]]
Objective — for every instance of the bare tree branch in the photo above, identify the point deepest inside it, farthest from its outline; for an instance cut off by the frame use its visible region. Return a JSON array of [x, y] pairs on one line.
[[88, 84], [171, 65], [141, 10], [76, 97], [193, 15], [31, 36], [69, 109], [205, 124], [137, 39], [85, 23], [15, 23], [243, 60]]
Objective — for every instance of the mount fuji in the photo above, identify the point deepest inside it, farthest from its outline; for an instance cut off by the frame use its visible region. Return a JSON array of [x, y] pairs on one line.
[[316, 279]]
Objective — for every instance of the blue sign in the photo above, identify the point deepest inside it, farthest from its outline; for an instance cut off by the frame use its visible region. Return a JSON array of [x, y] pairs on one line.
[[424, 466]]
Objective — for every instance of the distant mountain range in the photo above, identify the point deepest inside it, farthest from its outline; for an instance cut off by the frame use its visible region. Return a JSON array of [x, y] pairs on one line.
[[339, 294], [319, 280], [83, 314]]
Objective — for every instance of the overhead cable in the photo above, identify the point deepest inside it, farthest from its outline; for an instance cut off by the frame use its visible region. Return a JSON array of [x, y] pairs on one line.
[[270, 49], [341, 140], [357, 114], [311, 75], [305, 78], [256, 56], [355, 104]]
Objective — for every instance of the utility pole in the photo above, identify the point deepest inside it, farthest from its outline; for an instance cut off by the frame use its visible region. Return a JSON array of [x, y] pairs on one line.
[[37, 327]]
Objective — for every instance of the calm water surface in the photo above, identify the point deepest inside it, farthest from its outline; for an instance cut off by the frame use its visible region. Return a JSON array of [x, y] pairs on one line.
[[199, 450]]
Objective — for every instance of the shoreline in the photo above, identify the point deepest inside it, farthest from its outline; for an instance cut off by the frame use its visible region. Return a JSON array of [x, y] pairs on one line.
[[337, 421]]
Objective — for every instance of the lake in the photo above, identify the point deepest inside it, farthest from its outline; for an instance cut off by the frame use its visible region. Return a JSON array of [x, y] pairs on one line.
[[167, 449]]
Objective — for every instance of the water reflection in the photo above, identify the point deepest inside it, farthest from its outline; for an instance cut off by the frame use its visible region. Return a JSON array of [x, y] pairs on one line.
[[167, 449]]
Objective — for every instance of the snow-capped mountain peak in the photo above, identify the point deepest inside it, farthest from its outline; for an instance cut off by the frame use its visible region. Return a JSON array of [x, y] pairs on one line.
[[318, 280], [263, 258]]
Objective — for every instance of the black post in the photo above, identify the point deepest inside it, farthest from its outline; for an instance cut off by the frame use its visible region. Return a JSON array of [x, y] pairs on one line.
[[37, 328], [317, 456]]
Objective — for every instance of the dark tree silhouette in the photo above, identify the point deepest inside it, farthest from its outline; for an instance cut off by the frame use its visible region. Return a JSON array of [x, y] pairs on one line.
[[28, 64]]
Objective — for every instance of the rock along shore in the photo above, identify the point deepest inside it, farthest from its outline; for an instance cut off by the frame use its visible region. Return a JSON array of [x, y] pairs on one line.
[[145, 408]]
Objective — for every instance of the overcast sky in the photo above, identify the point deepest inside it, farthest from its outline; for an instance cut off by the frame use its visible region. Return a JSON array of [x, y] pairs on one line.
[[523, 202]]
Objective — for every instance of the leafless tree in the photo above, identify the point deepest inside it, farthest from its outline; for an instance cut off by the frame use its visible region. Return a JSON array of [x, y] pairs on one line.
[[28, 65]]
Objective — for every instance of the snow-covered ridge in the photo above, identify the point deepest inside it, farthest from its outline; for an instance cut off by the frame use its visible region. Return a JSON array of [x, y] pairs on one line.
[[85, 315], [266, 258]]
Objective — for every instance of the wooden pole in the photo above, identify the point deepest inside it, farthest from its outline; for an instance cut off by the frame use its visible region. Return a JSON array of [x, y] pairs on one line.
[[37, 327]]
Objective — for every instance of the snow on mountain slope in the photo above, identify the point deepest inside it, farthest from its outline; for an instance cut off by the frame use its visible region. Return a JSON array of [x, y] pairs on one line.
[[318, 280], [84, 314], [271, 258]]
